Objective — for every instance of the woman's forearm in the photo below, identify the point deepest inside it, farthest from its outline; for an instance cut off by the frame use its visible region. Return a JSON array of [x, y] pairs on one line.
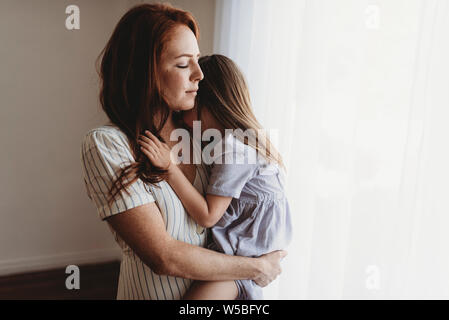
[[197, 263], [143, 230]]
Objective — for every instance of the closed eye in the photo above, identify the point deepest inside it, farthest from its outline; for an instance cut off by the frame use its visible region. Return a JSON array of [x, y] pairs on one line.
[[182, 67]]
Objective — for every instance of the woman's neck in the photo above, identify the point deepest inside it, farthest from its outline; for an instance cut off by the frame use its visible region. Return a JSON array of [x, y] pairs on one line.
[[167, 129], [165, 133]]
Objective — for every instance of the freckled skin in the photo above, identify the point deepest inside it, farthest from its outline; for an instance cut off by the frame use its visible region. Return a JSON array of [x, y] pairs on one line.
[[180, 74]]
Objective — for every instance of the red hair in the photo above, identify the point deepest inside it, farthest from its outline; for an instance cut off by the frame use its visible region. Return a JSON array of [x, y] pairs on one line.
[[130, 92]]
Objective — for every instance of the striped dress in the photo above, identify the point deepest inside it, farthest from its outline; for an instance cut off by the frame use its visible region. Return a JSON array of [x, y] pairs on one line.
[[104, 151]]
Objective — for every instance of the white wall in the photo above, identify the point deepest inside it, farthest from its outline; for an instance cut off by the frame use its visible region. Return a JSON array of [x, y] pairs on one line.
[[48, 100]]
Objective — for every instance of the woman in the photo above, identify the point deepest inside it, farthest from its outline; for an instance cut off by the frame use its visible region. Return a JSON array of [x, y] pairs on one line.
[[149, 70]]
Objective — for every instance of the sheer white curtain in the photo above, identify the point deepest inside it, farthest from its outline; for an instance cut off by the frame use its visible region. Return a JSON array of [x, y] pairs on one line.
[[359, 93]]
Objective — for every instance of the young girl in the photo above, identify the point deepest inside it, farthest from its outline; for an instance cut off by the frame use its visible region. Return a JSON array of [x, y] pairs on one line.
[[245, 203]]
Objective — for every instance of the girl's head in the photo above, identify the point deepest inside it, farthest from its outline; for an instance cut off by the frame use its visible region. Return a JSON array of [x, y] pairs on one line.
[[223, 102], [149, 68]]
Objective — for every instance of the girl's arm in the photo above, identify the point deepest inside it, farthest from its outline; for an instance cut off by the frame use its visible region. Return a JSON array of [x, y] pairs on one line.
[[205, 212]]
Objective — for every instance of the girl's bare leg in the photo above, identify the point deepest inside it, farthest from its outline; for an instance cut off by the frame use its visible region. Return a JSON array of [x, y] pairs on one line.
[[212, 290]]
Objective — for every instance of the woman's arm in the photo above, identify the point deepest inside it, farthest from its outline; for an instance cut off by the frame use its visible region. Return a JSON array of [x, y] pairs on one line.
[[143, 229], [205, 212]]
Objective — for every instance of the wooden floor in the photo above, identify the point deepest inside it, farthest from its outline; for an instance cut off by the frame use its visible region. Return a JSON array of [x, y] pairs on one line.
[[96, 282]]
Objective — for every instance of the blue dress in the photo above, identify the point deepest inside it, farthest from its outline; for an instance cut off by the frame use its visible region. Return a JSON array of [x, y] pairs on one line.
[[258, 219]]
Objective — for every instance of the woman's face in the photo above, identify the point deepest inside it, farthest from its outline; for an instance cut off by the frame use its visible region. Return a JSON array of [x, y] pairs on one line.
[[179, 69]]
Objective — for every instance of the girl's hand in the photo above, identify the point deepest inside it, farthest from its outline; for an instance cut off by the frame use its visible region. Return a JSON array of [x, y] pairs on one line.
[[157, 151]]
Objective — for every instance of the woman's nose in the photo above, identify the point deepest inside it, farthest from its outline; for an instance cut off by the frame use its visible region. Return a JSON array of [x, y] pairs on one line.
[[197, 74]]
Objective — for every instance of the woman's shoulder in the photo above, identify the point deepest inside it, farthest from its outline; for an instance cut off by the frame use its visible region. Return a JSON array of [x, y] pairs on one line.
[[106, 129], [107, 136]]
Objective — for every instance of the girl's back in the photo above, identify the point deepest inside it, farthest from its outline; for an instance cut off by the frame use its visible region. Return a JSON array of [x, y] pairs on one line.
[[258, 219]]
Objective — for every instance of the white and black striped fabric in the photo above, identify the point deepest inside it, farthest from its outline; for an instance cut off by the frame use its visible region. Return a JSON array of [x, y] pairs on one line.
[[105, 150]]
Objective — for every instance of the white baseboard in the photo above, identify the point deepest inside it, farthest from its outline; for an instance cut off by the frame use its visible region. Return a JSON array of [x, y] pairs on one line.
[[41, 263]]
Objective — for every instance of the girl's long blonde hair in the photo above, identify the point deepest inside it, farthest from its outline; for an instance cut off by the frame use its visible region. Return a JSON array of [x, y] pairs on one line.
[[225, 94]]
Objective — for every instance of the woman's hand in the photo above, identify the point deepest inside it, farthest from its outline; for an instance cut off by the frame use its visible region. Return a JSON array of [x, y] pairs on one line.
[[271, 267], [156, 151]]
